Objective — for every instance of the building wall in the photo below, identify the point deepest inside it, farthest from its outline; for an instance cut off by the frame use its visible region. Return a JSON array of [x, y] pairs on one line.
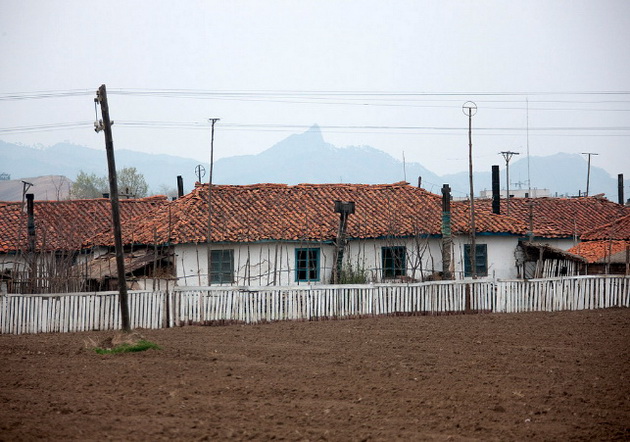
[[559, 243], [501, 259], [273, 263]]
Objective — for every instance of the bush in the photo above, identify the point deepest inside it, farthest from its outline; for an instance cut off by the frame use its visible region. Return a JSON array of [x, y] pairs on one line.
[[127, 348], [350, 275]]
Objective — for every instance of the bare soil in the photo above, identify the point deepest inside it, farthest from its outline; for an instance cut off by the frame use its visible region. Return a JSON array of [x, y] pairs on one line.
[[536, 376]]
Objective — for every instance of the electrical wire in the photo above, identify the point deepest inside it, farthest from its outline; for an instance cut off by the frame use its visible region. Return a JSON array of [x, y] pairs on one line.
[[436, 130], [12, 96], [46, 127]]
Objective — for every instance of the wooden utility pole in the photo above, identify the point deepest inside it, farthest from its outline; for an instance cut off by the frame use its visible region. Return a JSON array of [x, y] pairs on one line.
[[470, 109], [106, 125], [208, 241]]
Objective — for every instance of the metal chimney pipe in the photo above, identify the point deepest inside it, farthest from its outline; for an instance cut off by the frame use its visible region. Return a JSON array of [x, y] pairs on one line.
[[620, 189], [496, 191], [180, 186]]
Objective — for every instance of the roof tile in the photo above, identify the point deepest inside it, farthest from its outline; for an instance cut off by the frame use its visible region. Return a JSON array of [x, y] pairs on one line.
[[65, 225], [595, 251], [561, 217], [305, 212]]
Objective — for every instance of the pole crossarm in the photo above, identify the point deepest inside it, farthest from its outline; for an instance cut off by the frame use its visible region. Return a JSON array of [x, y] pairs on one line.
[[508, 154], [588, 172]]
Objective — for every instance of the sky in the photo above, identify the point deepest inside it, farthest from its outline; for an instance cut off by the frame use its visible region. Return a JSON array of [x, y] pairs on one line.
[[546, 76]]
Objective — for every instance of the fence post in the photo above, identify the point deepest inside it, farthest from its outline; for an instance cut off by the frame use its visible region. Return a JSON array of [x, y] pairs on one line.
[[468, 298]]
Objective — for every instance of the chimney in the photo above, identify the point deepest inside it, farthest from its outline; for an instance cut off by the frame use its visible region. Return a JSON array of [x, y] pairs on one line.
[[180, 186], [447, 241], [344, 209], [419, 181], [496, 191], [31, 221], [620, 188]]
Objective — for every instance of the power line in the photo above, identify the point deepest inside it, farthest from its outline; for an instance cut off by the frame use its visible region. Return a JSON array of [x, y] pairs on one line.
[[200, 93], [439, 130], [431, 100], [46, 127], [44, 94]]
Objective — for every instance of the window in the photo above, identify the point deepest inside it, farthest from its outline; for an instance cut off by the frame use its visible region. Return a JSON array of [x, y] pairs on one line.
[[481, 260], [394, 261], [306, 265], [221, 266]]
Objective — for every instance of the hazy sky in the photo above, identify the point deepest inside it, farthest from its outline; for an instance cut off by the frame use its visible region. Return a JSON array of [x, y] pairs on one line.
[[390, 74]]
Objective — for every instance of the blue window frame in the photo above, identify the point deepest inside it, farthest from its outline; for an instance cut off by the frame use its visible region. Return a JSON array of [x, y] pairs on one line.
[[222, 266], [481, 260], [307, 264], [394, 261]]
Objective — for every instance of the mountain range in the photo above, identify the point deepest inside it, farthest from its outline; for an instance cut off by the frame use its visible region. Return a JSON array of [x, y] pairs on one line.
[[300, 158]]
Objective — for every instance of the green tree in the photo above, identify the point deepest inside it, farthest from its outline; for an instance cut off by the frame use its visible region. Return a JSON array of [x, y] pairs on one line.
[[88, 186], [130, 183]]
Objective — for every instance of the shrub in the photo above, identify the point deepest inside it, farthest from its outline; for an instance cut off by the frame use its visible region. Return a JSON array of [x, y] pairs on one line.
[[127, 348]]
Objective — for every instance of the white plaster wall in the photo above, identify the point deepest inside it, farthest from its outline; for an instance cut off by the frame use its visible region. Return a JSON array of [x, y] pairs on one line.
[[257, 264], [273, 263], [10, 262], [424, 256], [501, 258], [563, 243]]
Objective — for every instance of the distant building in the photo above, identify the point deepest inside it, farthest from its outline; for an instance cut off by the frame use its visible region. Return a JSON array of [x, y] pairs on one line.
[[519, 193], [5, 177]]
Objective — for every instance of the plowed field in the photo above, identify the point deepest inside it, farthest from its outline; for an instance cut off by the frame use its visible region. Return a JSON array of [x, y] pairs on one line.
[[536, 376]]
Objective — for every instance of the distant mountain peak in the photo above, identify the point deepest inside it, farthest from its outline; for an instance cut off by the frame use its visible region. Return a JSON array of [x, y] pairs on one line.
[[310, 141], [314, 134]]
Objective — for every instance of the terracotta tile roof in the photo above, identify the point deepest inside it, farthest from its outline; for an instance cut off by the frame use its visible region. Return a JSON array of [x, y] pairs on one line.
[[618, 229], [65, 225], [595, 251], [561, 217], [305, 212]]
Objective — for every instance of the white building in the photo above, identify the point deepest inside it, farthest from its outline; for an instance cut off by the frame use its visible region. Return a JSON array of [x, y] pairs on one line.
[[271, 234]]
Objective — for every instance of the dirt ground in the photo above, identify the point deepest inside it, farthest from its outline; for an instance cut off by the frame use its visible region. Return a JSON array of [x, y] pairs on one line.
[[537, 376]]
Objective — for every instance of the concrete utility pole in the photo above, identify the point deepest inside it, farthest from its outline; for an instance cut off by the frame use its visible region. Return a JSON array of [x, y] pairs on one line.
[[588, 173], [508, 156], [106, 125], [469, 108], [212, 121]]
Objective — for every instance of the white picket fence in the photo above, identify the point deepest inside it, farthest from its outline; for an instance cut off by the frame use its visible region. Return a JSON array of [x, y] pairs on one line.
[[221, 305]]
